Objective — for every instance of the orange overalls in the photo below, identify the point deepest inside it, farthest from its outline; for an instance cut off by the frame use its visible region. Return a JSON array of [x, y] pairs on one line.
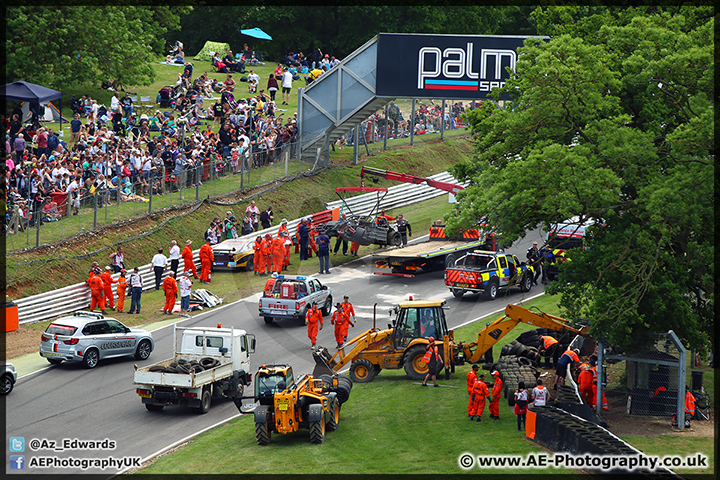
[[107, 288], [313, 318], [585, 381], [594, 390], [278, 254], [258, 259], [269, 284], [96, 287], [495, 397], [479, 393], [206, 258], [338, 319], [267, 253], [312, 247], [354, 247], [170, 288], [348, 310], [122, 286], [471, 377], [188, 259], [286, 254]]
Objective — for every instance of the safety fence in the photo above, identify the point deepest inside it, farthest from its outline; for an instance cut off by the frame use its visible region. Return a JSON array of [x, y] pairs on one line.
[[63, 301], [31, 223], [397, 196]]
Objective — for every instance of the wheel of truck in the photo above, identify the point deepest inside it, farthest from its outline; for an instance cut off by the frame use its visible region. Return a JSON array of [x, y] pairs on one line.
[[457, 292], [526, 283], [394, 239], [268, 320], [262, 433], [491, 290], [414, 366], [327, 308], [153, 408], [362, 371], [205, 401], [332, 423], [317, 431], [54, 361], [91, 358], [143, 350], [450, 260]]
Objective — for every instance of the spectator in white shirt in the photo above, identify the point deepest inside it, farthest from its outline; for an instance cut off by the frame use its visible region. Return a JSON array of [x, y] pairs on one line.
[[159, 263], [174, 257], [185, 285]]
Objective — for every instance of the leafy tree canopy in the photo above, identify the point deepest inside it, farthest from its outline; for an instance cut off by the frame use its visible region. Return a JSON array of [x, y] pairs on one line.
[[67, 45], [612, 120]]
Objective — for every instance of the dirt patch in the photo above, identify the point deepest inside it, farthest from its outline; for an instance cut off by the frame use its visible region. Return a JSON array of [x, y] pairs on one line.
[[624, 425], [21, 342]]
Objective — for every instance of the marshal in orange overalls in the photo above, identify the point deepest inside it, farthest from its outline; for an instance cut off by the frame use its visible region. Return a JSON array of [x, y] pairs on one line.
[[258, 259], [96, 289], [314, 321], [188, 259], [495, 397], [107, 288], [122, 286], [170, 289], [479, 393]]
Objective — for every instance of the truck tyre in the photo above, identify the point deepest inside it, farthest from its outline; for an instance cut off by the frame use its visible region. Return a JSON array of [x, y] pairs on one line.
[[327, 308], [362, 371], [526, 283], [262, 433], [457, 292], [332, 423], [268, 320], [205, 401], [143, 350], [394, 238], [491, 290], [450, 260], [317, 431], [153, 408], [414, 366], [91, 358], [54, 361], [209, 362], [6, 384]]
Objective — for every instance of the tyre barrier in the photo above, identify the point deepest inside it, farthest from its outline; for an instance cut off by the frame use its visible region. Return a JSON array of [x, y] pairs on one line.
[[185, 367], [343, 388], [562, 431]]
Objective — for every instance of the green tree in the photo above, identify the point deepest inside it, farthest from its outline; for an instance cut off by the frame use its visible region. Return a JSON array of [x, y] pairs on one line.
[[611, 120], [67, 45]]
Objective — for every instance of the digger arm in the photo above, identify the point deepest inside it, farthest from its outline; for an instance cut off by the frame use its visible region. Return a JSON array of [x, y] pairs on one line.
[[514, 314]]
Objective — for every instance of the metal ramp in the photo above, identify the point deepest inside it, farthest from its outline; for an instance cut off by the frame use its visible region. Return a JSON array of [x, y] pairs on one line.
[[338, 101]]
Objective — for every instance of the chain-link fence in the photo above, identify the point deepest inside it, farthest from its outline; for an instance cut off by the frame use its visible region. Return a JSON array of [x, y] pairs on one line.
[[648, 379], [59, 215]]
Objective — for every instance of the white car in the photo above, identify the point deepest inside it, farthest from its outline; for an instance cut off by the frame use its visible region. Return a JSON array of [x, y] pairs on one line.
[[9, 377], [89, 337]]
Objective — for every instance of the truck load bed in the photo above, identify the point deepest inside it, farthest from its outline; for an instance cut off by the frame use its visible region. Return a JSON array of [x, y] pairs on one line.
[[185, 380]]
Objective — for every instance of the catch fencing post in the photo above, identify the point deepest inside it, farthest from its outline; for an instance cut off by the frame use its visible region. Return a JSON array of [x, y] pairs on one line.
[[386, 128], [197, 183], [442, 121], [95, 197], [356, 139], [412, 122]]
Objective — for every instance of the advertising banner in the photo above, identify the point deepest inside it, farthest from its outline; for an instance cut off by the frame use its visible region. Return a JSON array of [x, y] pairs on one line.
[[444, 66]]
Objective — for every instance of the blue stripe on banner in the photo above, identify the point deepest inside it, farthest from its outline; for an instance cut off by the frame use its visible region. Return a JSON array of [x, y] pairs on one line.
[[451, 82]]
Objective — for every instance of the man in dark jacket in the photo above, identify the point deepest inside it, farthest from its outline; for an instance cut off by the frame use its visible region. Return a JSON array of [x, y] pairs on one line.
[[404, 229], [266, 217], [304, 234]]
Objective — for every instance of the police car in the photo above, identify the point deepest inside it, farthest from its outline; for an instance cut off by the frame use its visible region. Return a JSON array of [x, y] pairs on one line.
[[488, 273], [291, 297], [89, 337]]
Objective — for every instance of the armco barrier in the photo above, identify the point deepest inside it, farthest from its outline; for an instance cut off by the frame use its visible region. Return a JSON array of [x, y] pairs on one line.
[[66, 300]]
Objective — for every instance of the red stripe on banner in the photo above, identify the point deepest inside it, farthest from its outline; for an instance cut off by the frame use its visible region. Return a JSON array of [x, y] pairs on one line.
[[449, 87]]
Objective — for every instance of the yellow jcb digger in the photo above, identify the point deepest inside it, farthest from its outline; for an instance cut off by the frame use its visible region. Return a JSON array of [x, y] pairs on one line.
[[403, 343]]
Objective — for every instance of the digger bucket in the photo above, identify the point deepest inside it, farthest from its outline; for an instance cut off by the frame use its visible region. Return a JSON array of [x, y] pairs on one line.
[[322, 362]]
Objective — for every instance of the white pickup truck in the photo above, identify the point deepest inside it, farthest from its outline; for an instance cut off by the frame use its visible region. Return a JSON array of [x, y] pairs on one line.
[[292, 296], [208, 362]]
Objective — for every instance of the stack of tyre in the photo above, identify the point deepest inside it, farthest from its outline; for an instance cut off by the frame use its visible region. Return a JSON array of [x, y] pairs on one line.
[[513, 370], [342, 389], [520, 350], [184, 366]]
